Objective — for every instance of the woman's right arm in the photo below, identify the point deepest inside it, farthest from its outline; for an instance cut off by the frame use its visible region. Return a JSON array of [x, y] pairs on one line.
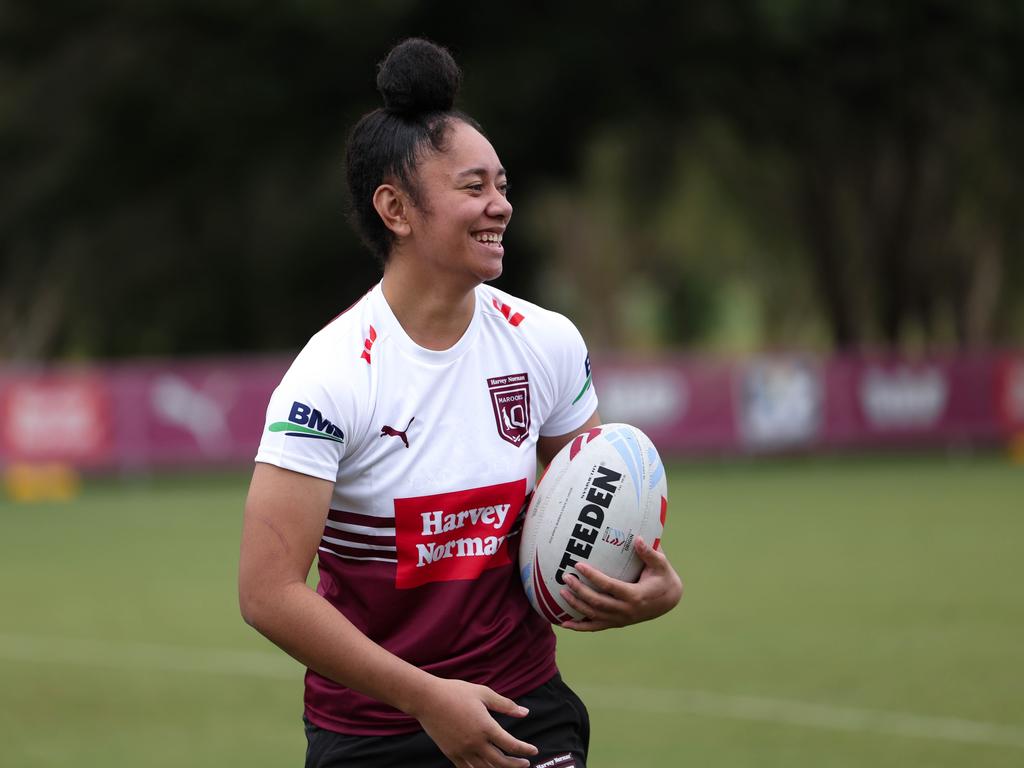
[[285, 514]]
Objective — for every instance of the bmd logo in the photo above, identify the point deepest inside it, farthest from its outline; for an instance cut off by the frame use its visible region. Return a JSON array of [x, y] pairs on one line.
[[305, 421]]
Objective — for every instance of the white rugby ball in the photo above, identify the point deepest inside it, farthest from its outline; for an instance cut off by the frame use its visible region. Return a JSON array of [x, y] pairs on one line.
[[604, 488]]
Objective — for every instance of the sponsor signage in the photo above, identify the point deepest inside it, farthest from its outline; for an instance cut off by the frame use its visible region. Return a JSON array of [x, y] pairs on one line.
[[903, 397], [779, 403], [643, 398], [197, 413], [56, 418], [685, 405], [192, 411], [943, 400], [307, 422], [1010, 394], [140, 416], [449, 536]]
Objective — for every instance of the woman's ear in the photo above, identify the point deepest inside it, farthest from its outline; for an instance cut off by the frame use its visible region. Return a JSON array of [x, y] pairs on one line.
[[391, 207]]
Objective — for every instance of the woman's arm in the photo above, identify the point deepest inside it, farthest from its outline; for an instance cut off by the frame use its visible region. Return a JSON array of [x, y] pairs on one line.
[[548, 447], [285, 514]]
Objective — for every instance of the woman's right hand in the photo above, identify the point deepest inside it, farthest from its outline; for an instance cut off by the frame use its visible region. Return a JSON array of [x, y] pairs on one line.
[[456, 715]]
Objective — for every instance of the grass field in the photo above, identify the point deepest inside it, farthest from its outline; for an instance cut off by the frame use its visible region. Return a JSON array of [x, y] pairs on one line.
[[838, 613]]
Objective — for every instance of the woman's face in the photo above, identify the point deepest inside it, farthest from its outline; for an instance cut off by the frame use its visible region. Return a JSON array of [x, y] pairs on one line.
[[457, 229]]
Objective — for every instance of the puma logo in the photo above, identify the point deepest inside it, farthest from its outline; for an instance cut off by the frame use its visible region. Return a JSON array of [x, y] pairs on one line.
[[392, 432]]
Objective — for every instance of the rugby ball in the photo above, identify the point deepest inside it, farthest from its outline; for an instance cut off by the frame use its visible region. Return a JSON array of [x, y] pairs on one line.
[[604, 488]]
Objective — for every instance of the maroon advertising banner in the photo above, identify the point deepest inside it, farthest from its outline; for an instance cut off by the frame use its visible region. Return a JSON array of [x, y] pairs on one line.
[[209, 413], [137, 416], [893, 401], [697, 406], [51, 416], [682, 404], [796, 402], [193, 413], [1010, 392]]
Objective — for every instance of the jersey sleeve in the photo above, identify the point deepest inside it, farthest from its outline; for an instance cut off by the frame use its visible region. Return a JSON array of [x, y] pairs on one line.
[[575, 398], [309, 421]]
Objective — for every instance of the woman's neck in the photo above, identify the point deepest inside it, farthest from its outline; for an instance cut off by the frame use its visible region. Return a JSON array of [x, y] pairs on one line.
[[433, 314]]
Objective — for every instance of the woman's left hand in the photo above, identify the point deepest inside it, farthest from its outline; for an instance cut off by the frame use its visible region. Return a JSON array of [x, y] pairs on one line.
[[619, 603]]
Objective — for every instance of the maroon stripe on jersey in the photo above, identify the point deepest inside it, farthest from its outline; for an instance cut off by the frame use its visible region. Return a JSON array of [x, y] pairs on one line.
[[357, 554], [482, 631], [354, 518], [359, 538]]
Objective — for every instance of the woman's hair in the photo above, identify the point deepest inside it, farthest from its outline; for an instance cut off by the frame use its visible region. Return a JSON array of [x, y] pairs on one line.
[[418, 81]]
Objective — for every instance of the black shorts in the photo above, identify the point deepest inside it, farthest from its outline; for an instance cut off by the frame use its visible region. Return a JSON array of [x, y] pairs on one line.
[[558, 725]]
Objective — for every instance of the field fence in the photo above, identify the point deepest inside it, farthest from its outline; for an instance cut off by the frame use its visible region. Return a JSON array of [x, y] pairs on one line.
[[157, 414]]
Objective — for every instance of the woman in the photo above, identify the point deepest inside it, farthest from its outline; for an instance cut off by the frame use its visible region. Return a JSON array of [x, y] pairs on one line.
[[401, 449]]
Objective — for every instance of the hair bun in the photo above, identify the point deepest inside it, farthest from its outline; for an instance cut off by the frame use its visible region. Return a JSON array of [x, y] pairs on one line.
[[418, 76]]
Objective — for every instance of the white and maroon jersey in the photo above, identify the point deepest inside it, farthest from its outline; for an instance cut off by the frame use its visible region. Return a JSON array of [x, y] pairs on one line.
[[433, 456]]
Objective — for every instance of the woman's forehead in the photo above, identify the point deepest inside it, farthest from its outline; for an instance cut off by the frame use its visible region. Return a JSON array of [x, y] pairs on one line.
[[468, 152]]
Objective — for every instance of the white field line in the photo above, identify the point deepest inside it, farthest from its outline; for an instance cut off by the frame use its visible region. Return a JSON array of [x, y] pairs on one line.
[[801, 713], [145, 656], [30, 649]]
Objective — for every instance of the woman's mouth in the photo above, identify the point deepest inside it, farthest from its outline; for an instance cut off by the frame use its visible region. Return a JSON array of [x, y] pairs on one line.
[[488, 238]]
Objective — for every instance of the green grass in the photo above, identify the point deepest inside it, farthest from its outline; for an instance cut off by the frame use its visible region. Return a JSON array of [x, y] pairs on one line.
[[886, 585]]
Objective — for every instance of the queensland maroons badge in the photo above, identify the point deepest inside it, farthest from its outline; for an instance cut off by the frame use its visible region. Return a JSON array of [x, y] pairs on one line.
[[510, 396]]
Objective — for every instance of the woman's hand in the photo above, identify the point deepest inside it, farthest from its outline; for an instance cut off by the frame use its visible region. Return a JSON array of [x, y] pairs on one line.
[[619, 603], [455, 715]]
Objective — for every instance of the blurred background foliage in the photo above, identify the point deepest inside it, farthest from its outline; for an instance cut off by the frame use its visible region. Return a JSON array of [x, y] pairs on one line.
[[724, 175]]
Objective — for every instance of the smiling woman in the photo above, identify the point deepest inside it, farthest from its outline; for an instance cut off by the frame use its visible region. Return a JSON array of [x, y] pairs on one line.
[[401, 449], [451, 239]]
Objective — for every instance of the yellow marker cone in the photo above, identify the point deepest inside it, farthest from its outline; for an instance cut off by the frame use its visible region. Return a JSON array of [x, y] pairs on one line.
[[42, 482], [1017, 448]]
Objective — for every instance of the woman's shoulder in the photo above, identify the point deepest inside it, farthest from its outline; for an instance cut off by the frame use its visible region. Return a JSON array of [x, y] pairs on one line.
[[342, 346], [521, 314], [550, 336]]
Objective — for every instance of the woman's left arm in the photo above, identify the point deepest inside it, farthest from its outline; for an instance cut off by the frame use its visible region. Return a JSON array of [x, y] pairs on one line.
[[618, 603]]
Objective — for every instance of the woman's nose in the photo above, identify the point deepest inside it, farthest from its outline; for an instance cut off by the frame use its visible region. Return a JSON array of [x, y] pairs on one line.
[[500, 207]]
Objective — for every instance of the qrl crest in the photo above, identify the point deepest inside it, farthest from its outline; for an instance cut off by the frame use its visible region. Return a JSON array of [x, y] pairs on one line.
[[510, 396]]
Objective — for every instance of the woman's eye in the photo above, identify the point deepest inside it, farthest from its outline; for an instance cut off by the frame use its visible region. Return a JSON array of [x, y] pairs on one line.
[[478, 187]]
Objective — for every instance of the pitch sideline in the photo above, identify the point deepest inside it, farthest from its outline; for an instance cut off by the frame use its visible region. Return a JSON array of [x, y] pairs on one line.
[[29, 649]]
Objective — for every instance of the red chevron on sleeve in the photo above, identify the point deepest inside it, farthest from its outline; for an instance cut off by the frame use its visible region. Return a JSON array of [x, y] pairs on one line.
[[368, 344], [513, 319]]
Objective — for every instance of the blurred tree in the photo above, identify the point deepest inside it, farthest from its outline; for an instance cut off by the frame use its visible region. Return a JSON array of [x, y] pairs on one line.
[[891, 118], [171, 181], [876, 145], [172, 174]]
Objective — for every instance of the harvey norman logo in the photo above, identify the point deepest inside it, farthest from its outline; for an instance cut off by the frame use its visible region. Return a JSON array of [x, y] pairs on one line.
[[304, 421], [458, 535]]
